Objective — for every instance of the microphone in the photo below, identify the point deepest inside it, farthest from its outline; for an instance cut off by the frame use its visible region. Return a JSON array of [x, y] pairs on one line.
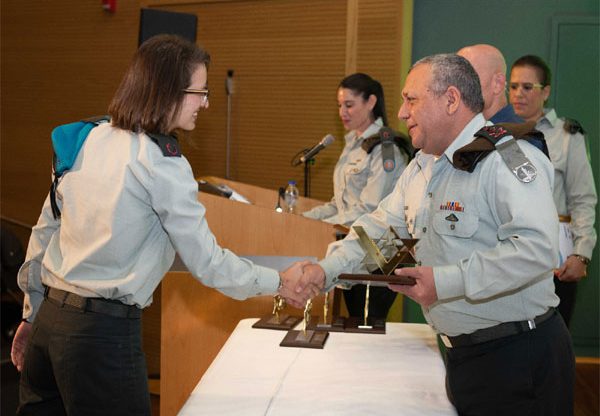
[[280, 195], [229, 87], [326, 141]]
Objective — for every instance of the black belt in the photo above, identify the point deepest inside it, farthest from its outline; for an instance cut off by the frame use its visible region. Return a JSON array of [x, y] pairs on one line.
[[104, 306], [502, 330]]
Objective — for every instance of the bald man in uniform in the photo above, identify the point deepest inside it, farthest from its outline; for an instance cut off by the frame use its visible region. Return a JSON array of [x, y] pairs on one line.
[[490, 66]]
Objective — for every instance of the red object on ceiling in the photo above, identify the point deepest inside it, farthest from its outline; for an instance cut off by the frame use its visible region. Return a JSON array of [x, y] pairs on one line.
[[109, 5]]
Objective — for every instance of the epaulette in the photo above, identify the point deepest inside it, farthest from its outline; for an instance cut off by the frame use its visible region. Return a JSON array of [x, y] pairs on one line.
[[97, 120], [467, 157], [169, 145], [572, 126], [388, 138]]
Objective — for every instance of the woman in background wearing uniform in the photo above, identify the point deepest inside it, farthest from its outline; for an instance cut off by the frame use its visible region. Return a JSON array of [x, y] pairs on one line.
[[365, 173], [574, 190], [108, 233]]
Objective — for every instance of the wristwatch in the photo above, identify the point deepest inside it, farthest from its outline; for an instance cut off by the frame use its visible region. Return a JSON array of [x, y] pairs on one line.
[[582, 259]]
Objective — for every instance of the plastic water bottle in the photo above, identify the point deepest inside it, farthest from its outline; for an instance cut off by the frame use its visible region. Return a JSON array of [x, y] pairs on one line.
[[291, 196]]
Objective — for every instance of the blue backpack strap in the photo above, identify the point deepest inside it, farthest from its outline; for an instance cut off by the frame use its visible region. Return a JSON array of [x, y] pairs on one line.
[[67, 141]]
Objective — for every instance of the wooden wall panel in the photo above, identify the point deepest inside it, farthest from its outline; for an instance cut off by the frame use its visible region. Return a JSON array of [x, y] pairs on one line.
[[59, 64], [379, 49], [287, 57]]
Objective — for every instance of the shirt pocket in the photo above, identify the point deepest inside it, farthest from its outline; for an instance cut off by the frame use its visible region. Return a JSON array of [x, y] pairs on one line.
[[356, 174], [455, 224]]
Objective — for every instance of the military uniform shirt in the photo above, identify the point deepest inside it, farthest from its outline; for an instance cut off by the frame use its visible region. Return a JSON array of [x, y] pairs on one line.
[[136, 208], [574, 190], [359, 180], [492, 240]]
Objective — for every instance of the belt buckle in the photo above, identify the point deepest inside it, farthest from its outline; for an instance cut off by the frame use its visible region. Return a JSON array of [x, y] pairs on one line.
[[76, 301], [446, 341]]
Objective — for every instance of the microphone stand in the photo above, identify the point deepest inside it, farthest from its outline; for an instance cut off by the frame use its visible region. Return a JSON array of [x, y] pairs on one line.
[[307, 177], [307, 163], [229, 91]]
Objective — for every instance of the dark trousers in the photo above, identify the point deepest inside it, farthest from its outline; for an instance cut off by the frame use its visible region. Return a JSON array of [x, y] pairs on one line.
[[567, 292], [532, 373], [83, 363], [380, 301]]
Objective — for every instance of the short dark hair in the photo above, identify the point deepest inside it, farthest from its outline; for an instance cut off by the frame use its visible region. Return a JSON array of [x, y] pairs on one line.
[[454, 70], [364, 85], [538, 64], [151, 92]]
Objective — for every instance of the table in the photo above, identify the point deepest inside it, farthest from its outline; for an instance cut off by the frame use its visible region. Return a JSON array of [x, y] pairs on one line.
[[399, 373]]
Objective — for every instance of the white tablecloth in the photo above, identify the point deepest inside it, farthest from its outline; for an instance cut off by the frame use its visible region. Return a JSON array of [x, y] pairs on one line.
[[399, 373]]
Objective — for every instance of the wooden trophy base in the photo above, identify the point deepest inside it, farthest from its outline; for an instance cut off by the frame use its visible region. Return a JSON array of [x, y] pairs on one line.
[[284, 323], [378, 279], [310, 339], [357, 325], [337, 325]]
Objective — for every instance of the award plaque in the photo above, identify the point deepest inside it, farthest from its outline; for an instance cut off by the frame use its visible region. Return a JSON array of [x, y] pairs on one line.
[[305, 338], [366, 325], [277, 320], [382, 257]]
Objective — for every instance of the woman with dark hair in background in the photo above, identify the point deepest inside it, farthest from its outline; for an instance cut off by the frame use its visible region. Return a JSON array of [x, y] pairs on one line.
[[373, 159], [107, 234], [574, 191]]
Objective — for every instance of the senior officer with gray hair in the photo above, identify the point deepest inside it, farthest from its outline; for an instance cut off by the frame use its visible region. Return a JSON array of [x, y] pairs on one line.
[[485, 283]]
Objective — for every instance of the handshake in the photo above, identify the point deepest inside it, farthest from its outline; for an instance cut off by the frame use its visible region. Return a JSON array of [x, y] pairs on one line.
[[300, 282]]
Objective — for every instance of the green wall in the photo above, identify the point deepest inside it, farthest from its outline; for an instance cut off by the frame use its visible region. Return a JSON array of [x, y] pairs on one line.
[[520, 27]]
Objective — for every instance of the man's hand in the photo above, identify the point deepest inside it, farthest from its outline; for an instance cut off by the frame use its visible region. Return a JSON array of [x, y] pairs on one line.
[[423, 292], [313, 275], [572, 270], [19, 344], [296, 287]]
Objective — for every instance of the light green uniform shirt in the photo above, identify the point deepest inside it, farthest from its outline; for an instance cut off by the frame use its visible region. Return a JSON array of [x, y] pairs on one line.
[[126, 210], [491, 239], [574, 189], [359, 180]]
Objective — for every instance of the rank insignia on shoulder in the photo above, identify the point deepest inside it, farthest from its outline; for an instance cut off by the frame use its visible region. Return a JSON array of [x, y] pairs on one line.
[[388, 138], [573, 126], [493, 133], [169, 145], [486, 141], [516, 161]]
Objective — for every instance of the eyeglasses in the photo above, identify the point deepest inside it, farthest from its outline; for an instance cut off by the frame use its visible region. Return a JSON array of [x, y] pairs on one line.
[[204, 93], [526, 86]]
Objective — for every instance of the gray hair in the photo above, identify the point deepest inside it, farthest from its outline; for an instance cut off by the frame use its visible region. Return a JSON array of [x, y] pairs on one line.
[[453, 70]]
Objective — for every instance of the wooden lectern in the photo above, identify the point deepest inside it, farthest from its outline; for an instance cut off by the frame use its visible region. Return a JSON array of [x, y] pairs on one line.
[[197, 320]]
